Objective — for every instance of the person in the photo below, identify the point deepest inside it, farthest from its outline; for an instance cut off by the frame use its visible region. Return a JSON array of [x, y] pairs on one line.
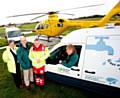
[[10, 57], [23, 58], [38, 54], [72, 57]]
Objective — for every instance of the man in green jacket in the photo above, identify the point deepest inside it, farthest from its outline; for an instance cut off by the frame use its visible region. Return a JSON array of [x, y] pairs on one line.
[[23, 58]]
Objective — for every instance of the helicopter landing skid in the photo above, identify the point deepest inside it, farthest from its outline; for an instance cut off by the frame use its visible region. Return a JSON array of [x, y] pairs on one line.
[[48, 39], [44, 38]]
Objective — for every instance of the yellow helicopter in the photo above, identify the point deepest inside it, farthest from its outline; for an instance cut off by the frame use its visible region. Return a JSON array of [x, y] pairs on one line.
[[54, 26]]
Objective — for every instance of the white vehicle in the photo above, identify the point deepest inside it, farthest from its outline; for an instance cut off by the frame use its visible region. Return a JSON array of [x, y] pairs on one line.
[[98, 67], [13, 33]]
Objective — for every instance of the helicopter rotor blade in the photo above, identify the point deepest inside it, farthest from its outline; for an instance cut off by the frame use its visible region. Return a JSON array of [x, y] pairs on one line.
[[38, 17], [57, 12], [48, 13], [25, 15], [67, 14], [80, 7]]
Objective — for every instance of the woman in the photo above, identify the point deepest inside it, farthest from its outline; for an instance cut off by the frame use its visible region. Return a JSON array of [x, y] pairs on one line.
[[10, 57], [72, 56]]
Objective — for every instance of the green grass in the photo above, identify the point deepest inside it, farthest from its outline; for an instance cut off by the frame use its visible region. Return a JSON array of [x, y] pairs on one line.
[[51, 90], [3, 42], [2, 32], [31, 34], [2, 29], [28, 26]]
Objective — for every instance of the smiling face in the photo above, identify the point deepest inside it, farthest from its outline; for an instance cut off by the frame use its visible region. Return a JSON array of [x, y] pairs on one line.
[[23, 40], [69, 51], [37, 43], [11, 44]]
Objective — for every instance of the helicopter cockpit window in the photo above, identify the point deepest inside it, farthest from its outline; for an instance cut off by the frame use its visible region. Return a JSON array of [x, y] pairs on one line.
[[38, 26], [42, 26], [46, 26], [60, 54], [60, 24]]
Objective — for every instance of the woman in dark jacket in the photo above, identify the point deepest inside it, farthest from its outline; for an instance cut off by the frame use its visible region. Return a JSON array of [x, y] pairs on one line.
[[72, 56], [10, 57]]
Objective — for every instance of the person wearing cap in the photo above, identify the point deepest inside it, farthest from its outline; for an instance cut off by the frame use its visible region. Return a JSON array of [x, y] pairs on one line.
[[10, 57], [38, 55], [26, 65]]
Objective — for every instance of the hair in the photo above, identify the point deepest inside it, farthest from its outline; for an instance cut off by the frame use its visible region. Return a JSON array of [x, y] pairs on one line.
[[10, 41], [71, 47], [22, 37], [37, 39]]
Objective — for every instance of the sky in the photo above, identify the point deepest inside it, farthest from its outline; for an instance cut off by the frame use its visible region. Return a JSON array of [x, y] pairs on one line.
[[14, 7]]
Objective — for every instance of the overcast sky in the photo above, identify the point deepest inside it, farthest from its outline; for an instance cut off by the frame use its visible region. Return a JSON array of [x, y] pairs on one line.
[[12, 7]]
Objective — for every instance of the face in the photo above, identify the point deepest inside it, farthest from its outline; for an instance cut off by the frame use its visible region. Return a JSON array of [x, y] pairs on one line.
[[37, 43], [23, 41], [12, 44], [69, 51]]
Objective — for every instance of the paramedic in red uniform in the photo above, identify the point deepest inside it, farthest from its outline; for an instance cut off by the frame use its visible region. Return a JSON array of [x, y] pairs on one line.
[[38, 55]]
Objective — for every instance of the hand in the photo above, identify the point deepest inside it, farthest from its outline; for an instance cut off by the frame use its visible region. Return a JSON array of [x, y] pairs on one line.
[[60, 61], [38, 60]]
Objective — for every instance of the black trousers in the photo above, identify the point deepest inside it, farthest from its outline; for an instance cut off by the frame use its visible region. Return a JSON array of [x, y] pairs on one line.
[[17, 76]]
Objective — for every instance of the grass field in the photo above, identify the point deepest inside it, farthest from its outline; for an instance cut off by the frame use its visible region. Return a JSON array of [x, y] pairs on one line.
[[51, 90], [3, 42], [2, 30], [27, 26]]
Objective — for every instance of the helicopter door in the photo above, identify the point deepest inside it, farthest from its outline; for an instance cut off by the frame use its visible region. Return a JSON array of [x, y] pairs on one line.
[[60, 54], [102, 60]]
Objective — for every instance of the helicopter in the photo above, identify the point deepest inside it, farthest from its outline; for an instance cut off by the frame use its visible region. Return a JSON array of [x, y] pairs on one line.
[[55, 26]]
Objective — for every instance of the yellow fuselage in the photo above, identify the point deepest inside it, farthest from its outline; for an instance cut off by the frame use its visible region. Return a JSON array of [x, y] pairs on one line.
[[54, 26]]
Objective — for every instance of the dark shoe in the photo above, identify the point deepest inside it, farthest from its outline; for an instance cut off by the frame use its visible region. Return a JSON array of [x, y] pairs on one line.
[[32, 85], [39, 90], [21, 86]]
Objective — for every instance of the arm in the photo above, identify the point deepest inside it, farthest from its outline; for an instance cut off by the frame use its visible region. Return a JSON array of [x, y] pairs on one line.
[[31, 57], [19, 57], [5, 56], [73, 60], [47, 54]]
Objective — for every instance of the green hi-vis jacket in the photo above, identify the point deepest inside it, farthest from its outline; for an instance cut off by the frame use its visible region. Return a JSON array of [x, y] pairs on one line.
[[9, 59], [41, 53]]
